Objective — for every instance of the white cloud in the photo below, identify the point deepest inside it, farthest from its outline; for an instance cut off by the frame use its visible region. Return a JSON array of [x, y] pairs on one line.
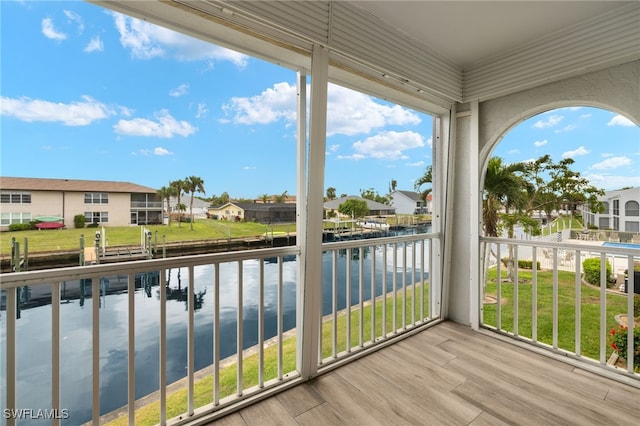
[[273, 104], [567, 128], [612, 163], [50, 32], [74, 17], [538, 144], [619, 120], [550, 122], [416, 164], [248, 168], [80, 113], [165, 126], [576, 152], [389, 145], [356, 157], [161, 151], [334, 147], [145, 40], [585, 116], [95, 45], [202, 110], [180, 90], [610, 182], [349, 112]]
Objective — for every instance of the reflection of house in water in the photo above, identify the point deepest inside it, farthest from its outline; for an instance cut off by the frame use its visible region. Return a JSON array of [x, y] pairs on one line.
[[30, 297]]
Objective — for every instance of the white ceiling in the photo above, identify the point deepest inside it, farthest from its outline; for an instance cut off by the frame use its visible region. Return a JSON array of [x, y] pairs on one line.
[[467, 32]]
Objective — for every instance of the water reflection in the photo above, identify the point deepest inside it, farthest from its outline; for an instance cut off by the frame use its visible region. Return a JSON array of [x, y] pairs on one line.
[[34, 330]]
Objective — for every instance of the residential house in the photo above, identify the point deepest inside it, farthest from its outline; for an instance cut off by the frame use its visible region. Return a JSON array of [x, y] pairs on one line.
[[255, 212], [375, 208], [104, 202], [408, 202], [621, 211], [200, 207]]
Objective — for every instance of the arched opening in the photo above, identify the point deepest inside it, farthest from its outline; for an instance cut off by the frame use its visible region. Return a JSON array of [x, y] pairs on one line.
[[562, 187]]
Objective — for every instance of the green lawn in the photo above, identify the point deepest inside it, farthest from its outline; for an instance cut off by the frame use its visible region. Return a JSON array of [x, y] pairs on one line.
[[205, 229], [589, 307]]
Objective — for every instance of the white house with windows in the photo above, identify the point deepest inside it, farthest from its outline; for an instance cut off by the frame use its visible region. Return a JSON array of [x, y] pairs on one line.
[[621, 211], [408, 202], [104, 202]]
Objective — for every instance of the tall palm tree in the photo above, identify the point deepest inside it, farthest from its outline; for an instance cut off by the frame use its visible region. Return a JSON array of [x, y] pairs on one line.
[[502, 189], [179, 186], [193, 184], [166, 192]]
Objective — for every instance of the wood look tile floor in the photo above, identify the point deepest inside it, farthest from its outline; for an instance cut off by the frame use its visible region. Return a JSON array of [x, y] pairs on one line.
[[450, 375]]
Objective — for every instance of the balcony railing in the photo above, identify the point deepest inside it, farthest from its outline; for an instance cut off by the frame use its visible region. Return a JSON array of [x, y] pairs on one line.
[[146, 204], [225, 323], [547, 301]]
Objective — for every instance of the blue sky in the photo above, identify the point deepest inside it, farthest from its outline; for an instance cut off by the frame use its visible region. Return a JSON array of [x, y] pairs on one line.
[[91, 94]]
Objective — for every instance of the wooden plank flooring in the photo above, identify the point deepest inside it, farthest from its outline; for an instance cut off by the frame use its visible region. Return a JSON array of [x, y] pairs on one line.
[[449, 375]]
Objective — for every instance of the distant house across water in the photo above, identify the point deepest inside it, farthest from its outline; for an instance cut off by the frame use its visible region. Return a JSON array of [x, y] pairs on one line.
[[109, 203], [255, 212]]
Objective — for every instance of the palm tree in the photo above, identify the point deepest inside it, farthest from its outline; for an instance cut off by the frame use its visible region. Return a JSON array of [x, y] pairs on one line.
[[331, 193], [426, 178], [179, 186], [193, 184], [264, 198], [504, 188], [166, 192]]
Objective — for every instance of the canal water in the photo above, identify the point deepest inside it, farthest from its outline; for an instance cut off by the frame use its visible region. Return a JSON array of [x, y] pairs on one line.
[[34, 325]]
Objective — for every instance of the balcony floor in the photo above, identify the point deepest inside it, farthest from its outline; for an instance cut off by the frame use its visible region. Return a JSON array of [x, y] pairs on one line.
[[449, 374]]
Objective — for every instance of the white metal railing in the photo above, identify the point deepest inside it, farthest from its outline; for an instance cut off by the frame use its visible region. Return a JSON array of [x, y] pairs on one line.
[[390, 281], [546, 301], [232, 293], [250, 292]]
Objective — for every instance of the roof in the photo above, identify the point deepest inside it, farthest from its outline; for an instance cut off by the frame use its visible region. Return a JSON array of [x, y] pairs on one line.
[[372, 205], [186, 200], [259, 206], [412, 195], [70, 185]]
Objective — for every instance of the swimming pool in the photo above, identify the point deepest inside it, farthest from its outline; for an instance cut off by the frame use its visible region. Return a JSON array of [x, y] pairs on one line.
[[622, 245]]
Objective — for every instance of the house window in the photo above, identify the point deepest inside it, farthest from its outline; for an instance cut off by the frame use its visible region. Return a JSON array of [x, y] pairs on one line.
[[96, 198], [96, 217], [616, 207], [15, 198], [606, 207], [11, 218], [632, 208]]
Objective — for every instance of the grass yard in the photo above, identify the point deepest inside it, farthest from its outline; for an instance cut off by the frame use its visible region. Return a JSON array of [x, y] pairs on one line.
[[203, 390], [589, 310], [204, 229]]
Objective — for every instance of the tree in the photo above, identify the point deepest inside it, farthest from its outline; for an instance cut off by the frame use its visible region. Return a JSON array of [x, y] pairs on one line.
[[282, 197], [193, 184], [371, 194], [502, 186], [179, 186], [264, 198], [393, 185], [166, 192], [424, 179], [354, 208], [331, 193]]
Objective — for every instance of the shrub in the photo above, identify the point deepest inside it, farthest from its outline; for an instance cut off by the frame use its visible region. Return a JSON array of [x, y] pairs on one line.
[[20, 227], [619, 343], [79, 221], [591, 268], [528, 264]]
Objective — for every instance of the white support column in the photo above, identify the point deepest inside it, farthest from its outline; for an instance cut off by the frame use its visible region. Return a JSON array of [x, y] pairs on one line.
[[301, 203], [474, 218], [310, 287]]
